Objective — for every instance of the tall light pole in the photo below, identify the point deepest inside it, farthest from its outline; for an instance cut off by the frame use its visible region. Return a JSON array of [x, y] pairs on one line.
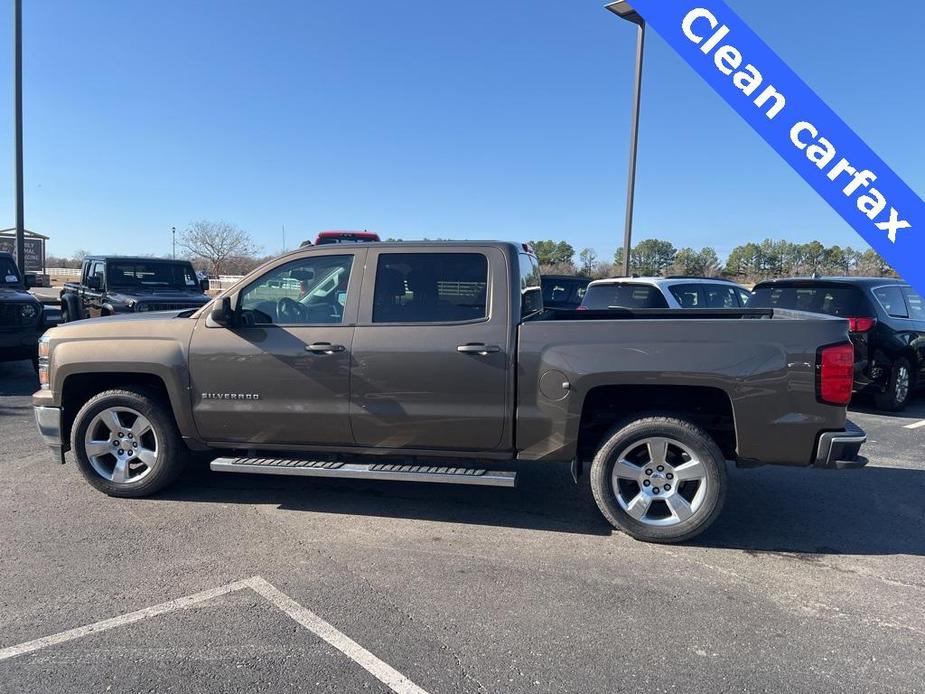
[[624, 10], [17, 128], [173, 231]]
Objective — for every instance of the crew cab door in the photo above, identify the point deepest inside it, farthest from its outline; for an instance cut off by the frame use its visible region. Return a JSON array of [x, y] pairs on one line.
[[432, 351], [281, 373]]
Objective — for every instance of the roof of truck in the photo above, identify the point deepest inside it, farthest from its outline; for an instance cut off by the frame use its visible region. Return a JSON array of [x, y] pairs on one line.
[[134, 258], [404, 245]]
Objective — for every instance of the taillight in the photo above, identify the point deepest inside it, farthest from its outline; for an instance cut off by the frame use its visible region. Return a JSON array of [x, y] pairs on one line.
[[835, 374], [861, 325]]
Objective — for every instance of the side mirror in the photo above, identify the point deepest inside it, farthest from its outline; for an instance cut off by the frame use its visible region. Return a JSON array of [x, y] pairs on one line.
[[204, 284], [222, 314], [30, 281], [93, 282], [52, 316]]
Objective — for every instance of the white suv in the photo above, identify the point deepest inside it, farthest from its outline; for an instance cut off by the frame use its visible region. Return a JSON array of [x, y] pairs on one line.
[[664, 292]]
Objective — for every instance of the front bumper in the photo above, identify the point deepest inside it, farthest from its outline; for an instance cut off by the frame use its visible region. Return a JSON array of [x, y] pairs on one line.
[[839, 450], [48, 421]]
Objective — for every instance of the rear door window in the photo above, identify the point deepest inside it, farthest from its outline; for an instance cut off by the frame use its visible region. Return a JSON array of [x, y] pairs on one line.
[[607, 296], [893, 301], [915, 303], [720, 296], [687, 295], [431, 288], [835, 301]]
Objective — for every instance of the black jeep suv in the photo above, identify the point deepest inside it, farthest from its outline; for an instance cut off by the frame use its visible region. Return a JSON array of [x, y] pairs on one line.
[[21, 314], [111, 284], [887, 326]]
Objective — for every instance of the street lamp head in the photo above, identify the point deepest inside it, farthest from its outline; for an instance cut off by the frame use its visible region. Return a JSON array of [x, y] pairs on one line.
[[624, 10]]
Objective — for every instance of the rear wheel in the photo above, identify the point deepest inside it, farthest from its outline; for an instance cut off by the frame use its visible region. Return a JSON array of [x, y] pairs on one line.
[[899, 388], [127, 444], [659, 479]]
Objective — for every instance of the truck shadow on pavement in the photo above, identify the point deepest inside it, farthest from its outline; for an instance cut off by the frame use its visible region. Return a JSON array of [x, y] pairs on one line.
[[873, 511]]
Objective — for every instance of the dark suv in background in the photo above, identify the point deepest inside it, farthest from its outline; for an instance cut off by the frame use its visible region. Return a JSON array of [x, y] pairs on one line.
[[22, 317], [887, 327], [564, 292]]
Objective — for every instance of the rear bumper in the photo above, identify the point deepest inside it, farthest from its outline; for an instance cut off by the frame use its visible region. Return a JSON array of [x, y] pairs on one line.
[[48, 421], [839, 450]]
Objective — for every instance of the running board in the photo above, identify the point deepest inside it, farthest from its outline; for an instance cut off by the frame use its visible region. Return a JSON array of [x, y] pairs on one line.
[[367, 471]]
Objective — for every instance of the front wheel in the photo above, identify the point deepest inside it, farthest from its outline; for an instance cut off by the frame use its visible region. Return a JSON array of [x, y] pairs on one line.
[[659, 479], [127, 443]]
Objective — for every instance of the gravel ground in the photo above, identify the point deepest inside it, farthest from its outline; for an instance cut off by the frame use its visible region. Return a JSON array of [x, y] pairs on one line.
[[810, 580]]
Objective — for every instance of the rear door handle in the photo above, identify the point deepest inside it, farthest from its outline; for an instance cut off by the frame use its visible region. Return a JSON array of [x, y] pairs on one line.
[[324, 348], [478, 348]]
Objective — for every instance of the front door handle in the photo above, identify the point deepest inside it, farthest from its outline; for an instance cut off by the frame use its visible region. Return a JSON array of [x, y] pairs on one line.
[[324, 348], [478, 348]]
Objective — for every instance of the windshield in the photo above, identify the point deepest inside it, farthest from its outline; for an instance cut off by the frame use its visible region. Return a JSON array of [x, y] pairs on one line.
[[9, 275], [605, 296], [154, 274]]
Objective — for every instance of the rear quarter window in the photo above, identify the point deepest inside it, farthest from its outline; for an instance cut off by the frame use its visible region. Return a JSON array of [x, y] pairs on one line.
[[892, 301], [605, 296]]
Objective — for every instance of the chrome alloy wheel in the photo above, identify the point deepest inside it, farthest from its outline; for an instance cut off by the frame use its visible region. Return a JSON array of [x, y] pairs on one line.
[[121, 445], [902, 384], [659, 481]]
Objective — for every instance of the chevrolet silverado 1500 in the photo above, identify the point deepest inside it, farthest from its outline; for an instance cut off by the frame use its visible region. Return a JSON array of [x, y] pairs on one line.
[[437, 362]]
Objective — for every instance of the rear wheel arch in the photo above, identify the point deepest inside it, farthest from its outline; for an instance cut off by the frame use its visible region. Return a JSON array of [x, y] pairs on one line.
[[605, 407]]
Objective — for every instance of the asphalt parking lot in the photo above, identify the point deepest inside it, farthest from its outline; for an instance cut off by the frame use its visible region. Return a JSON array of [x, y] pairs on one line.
[[810, 581]]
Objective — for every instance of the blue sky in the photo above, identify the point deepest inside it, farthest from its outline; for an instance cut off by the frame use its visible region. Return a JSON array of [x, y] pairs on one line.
[[485, 119]]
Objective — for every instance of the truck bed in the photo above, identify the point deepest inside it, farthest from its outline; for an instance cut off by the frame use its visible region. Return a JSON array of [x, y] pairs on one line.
[[763, 362]]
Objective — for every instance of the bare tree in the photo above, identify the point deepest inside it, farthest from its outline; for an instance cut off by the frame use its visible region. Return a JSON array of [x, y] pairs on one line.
[[219, 244]]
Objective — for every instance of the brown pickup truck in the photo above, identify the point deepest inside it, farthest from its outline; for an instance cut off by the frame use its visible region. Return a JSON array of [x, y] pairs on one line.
[[437, 362]]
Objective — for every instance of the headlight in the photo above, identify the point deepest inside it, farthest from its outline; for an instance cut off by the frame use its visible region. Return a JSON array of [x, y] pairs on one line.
[[28, 312], [44, 354]]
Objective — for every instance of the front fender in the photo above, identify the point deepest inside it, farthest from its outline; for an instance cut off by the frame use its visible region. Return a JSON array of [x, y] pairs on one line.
[[160, 349]]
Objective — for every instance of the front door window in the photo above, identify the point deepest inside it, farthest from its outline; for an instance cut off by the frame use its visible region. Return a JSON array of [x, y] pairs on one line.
[[310, 291]]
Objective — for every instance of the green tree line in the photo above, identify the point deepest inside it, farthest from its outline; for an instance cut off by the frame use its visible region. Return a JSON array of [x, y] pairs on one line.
[[749, 262]]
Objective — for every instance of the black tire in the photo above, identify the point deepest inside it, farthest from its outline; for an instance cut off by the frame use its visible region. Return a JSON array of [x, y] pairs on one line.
[[172, 453], [622, 438], [65, 313], [894, 398]]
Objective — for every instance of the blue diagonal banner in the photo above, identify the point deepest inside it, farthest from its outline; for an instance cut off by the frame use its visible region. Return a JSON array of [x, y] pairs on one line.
[[798, 125]]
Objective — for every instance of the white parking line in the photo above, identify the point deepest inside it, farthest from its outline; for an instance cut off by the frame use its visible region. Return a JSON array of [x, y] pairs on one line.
[[917, 425], [379, 669], [382, 671], [112, 623]]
